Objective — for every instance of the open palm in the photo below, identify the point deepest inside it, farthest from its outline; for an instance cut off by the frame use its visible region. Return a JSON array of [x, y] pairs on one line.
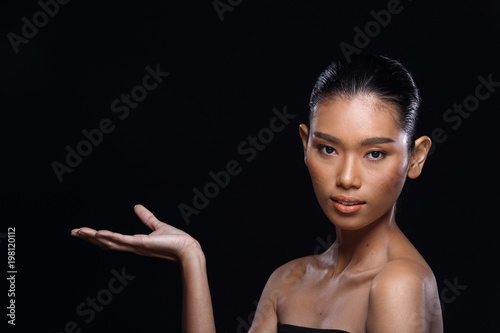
[[165, 241]]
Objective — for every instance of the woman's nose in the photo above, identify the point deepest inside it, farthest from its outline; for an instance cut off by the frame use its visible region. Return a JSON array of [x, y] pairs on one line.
[[348, 173]]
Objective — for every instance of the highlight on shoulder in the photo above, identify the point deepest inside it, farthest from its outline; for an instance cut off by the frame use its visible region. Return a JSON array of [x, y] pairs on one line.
[[403, 297]]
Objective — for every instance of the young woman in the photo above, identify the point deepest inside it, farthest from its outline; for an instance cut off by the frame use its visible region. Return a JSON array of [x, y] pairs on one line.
[[359, 147]]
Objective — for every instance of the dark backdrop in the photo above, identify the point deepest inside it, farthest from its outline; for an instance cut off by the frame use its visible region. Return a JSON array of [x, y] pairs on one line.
[[230, 63]]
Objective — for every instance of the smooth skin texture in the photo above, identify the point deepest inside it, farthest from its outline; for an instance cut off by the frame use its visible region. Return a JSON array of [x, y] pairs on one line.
[[371, 279]]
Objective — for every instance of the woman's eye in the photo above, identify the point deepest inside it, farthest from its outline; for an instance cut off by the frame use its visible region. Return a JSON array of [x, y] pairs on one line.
[[327, 150], [376, 155]]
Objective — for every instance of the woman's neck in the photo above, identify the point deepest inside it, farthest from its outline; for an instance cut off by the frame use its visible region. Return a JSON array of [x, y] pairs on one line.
[[365, 248]]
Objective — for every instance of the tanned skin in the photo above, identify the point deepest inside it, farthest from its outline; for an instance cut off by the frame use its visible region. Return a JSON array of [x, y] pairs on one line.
[[372, 279]]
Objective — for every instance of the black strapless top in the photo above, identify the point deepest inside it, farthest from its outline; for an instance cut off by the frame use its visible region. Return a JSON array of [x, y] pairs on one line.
[[286, 328]]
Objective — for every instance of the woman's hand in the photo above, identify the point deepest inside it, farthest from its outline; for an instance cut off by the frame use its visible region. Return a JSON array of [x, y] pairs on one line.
[[165, 241], [173, 244]]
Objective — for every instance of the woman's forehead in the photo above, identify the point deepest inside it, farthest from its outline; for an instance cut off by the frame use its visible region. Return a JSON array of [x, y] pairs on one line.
[[364, 115]]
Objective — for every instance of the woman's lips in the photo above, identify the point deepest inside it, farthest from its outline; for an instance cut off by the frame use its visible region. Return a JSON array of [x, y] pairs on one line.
[[347, 205]]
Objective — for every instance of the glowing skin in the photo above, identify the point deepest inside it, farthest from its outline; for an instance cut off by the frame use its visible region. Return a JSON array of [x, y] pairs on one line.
[[371, 280], [357, 156], [356, 149]]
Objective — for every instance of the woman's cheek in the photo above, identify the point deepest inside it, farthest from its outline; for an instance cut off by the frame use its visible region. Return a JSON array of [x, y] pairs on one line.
[[320, 177], [392, 181]]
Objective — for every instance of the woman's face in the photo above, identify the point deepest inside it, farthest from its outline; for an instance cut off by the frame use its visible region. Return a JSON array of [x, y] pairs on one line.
[[357, 157]]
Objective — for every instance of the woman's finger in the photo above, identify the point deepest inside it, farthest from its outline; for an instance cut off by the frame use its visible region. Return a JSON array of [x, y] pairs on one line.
[[89, 236], [112, 242], [136, 244], [121, 239], [147, 217], [116, 237], [107, 240]]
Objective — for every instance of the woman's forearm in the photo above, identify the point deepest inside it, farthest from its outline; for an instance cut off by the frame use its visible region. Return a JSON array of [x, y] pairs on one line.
[[167, 242], [197, 312]]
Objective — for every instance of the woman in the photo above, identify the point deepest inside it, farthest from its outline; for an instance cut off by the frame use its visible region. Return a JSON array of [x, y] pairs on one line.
[[359, 147]]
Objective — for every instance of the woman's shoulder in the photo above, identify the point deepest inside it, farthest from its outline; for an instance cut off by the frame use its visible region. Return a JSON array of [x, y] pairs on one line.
[[406, 268], [409, 286], [403, 281], [293, 272]]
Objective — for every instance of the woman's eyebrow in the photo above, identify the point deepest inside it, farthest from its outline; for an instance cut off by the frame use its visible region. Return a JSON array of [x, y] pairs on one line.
[[365, 142], [327, 137], [376, 140]]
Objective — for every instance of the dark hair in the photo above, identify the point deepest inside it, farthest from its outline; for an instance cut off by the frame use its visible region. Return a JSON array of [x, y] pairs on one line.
[[388, 79]]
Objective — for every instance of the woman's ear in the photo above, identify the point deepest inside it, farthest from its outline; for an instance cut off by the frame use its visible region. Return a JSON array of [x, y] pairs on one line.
[[419, 155], [304, 136]]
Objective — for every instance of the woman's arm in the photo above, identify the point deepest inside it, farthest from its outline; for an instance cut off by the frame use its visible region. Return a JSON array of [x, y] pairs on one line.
[[197, 311], [404, 298], [170, 243]]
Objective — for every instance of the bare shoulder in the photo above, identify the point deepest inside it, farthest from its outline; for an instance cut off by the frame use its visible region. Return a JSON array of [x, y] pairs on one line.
[[283, 280], [404, 280], [405, 271], [291, 273], [404, 297]]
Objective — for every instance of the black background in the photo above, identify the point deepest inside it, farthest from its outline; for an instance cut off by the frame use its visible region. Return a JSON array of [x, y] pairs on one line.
[[226, 76]]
